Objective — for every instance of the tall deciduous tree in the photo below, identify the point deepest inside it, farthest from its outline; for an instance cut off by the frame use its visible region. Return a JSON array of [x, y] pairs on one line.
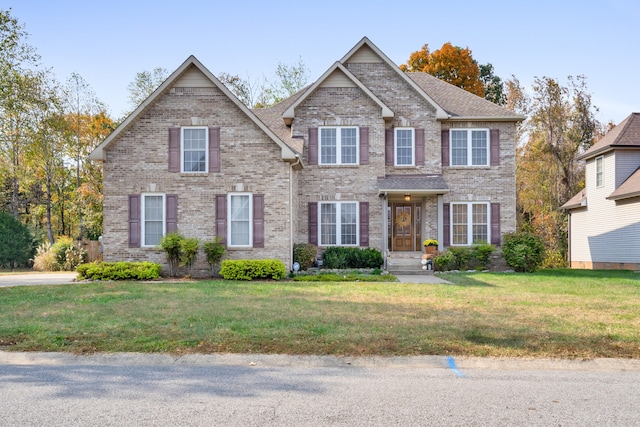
[[562, 124], [144, 84], [289, 80]]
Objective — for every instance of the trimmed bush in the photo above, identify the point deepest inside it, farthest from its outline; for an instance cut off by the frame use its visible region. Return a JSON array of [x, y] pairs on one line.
[[304, 254], [340, 257], [119, 271], [170, 243], [464, 258], [524, 252], [250, 269]]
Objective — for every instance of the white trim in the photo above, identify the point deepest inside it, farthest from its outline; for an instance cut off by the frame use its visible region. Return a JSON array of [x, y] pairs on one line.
[[595, 165], [229, 219], [338, 130], [469, 205], [206, 148], [338, 236], [469, 133], [143, 218], [395, 146]]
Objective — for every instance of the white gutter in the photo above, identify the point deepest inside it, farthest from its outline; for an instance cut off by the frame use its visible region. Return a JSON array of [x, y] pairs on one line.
[[291, 210]]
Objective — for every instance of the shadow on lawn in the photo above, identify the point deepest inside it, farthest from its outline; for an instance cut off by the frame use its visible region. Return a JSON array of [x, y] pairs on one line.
[[465, 279]]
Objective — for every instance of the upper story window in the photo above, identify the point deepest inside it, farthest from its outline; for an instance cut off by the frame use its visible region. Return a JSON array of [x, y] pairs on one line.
[[194, 146], [240, 220], [338, 145], [470, 147], [153, 219], [599, 171], [404, 146], [469, 223]]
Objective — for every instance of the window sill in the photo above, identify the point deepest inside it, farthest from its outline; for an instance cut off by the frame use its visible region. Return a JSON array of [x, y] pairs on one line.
[[194, 174]]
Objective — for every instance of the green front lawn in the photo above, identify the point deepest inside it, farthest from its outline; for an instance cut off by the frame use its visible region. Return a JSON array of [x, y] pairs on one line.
[[552, 313]]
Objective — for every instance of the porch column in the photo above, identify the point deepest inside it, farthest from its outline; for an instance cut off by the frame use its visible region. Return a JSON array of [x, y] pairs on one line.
[[440, 222], [385, 230]]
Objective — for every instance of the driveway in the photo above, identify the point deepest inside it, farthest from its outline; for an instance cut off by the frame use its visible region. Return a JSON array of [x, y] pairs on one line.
[[29, 279]]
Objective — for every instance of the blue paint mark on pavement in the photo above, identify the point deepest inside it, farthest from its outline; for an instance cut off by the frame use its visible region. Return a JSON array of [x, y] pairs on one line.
[[452, 366]]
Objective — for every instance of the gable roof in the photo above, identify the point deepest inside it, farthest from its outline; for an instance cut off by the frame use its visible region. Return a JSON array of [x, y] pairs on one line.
[[577, 201], [99, 154], [629, 188], [289, 113], [440, 112], [624, 135]]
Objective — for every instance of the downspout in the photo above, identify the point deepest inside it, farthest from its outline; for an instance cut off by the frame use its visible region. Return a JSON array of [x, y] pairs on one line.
[[385, 231], [291, 210]]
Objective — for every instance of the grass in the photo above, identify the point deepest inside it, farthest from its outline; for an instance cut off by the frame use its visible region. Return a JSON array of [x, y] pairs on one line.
[[553, 313]]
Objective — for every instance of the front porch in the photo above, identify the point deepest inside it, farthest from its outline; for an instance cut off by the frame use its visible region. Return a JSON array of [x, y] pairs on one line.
[[406, 264]]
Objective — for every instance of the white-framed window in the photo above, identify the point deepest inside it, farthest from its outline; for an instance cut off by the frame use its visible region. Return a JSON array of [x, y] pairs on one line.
[[338, 145], [470, 223], [404, 146], [153, 218], [470, 147], [599, 171], [339, 223], [194, 146], [240, 219]]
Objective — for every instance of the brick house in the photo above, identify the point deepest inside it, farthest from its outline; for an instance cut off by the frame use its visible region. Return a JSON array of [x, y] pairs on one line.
[[603, 218], [366, 156]]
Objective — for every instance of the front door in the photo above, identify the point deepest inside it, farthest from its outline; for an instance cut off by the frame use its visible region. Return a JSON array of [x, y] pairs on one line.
[[403, 227]]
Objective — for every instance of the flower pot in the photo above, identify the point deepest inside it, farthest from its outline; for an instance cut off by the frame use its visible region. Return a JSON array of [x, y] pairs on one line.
[[431, 250]]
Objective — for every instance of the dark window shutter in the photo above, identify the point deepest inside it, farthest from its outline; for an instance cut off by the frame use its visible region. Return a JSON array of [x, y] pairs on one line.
[[419, 147], [221, 217], [258, 221], [388, 147], [134, 220], [445, 147], [312, 155], [494, 138], [446, 225], [174, 149], [313, 223], [214, 149], [495, 224], [172, 213], [364, 224], [364, 145]]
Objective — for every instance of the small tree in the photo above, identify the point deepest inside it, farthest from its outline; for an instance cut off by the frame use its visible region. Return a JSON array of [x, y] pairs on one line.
[[16, 243], [215, 251]]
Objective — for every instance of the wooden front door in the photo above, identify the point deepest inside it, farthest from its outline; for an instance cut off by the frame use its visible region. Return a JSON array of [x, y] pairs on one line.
[[403, 227]]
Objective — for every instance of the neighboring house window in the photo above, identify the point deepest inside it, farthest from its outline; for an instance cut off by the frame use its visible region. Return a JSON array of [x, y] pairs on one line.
[[404, 146], [338, 223], [194, 147], [469, 223], [153, 219], [599, 171], [338, 145], [240, 220], [470, 147]]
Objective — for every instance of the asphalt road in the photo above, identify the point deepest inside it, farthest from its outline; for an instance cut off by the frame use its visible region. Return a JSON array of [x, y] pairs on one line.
[[244, 390]]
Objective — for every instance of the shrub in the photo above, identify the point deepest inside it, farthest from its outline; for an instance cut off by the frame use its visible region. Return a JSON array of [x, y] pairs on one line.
[[339, 257], [45, 259], [554, 259], [444, 262], [62, 255], [214, 251], [119, 270], [464, 258], [304, 254], [524, 252], [188, 252], [251, 269], [16, 243], [171, 245], [481, 255]]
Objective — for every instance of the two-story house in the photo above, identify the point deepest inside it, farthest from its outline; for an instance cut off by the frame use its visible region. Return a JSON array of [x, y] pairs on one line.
[[604, 218], [366, 156]]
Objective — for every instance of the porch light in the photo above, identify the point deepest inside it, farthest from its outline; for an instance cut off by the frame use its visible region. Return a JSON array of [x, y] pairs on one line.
[[407, 197]]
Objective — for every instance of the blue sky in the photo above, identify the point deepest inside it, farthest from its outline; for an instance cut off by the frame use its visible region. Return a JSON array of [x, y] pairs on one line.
[[107, 43]]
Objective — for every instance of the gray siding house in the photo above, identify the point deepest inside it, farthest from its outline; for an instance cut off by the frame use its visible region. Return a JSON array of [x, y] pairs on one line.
[[604, 218], [366, 156]]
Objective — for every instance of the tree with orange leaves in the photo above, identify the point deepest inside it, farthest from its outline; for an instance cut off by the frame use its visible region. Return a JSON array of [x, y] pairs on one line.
[[450, 63]]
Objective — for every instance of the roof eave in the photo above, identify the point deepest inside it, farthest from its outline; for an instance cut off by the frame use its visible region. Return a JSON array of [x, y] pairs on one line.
[[625, 196], [517, 118]]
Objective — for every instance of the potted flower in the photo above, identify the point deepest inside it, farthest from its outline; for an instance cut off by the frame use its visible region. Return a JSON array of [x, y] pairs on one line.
[[430, 246]]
